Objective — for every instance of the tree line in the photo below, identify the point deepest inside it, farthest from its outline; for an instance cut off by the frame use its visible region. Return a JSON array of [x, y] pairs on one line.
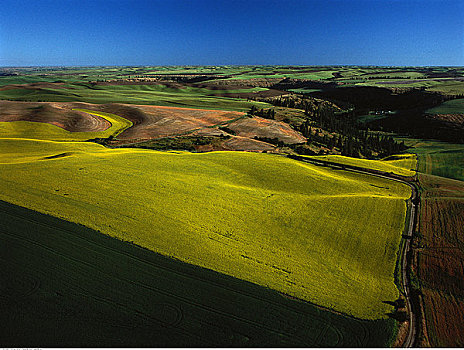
[[344, 132]]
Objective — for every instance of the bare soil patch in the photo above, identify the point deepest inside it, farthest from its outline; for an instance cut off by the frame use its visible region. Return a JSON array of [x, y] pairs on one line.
[[445, 318], [454, 119], [158, 121], [260, 127], [59, 114], [238, 143]]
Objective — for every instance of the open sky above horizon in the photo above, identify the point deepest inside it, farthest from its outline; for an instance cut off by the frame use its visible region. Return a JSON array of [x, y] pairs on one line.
[[232, 32]]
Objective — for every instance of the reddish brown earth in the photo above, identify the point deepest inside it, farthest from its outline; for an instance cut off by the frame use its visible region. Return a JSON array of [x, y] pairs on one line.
[[59, 114], [440, 257], [210, 132], [444, 318], [456, 119], [149, 121], [152, 122], [238, 143], [158, 121], [260, 127]]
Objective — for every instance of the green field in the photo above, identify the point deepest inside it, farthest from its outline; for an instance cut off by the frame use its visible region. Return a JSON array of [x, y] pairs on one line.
[[64, 285], [438, 158], [308, 234], [136, 94], [447, 87], [449, 107]]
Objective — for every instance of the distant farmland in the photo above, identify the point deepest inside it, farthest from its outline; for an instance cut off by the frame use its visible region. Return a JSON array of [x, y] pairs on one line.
[[449, 107]]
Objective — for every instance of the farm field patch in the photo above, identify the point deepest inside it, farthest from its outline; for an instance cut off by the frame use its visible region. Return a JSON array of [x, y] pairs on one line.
[[133, 94], [160, 121], [139, 124], [261, 127], [441, 258], [209, 209], [440, 254], [438, 158], [56, 275], [449, 107], [445, 317], [403, 164], [59, 122]]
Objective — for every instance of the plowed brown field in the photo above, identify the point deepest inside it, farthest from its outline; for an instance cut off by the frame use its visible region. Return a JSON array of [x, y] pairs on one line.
[[441, 259], [158, 121], [59, 114], [445, 318], [260, 127], [457, 119], [152, 122]]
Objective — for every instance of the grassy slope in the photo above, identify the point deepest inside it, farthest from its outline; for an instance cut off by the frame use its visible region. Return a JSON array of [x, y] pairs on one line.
[[449, 107], [438, 158], [404, 165], [64, 285], [308, 234]]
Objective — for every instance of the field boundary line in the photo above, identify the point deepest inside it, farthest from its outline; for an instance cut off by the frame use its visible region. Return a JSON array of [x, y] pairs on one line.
[[413, 203]]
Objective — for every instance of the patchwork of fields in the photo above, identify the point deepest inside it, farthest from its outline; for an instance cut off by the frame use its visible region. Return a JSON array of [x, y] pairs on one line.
[[440, 255], [140, 247], [129, 124]]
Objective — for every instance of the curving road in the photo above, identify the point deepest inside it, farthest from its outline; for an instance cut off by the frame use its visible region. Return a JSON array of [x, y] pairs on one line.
[[414, 200]]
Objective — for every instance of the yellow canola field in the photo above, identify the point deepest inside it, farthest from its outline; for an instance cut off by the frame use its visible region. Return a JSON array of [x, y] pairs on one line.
[[45, 131], [329, 237], [401, 164]]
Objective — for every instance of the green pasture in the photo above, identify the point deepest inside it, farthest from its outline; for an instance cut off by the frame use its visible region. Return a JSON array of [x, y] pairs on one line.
[[304, 91], [394, 74], [449, 107], [438, 158], [447, 87], [367, 118]]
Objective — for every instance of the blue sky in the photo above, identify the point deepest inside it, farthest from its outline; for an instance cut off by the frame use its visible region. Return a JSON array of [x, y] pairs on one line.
[[217, 32]]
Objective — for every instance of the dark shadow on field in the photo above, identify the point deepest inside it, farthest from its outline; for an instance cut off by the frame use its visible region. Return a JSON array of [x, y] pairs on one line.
[[392, 303], [61, 155], [64, 285], [399, 314], [398, 303]]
